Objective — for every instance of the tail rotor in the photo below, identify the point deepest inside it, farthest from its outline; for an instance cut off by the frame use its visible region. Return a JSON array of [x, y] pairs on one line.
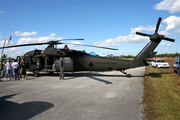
[[156, 36]]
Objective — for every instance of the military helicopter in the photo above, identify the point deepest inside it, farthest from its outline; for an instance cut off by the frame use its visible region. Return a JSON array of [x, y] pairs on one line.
[[48, 59]]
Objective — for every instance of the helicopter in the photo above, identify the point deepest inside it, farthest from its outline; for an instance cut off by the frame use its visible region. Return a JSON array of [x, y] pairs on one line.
[[76, 60]]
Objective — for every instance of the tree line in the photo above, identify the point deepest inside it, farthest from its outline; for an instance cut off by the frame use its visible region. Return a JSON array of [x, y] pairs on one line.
[[166, 55], [169, 55]]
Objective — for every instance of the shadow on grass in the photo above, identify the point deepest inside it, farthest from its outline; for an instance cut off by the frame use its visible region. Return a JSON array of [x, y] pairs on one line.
[[157, 75]]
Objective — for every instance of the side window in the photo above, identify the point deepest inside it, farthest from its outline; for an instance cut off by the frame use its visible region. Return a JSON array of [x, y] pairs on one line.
[[175, 60], [178, 60]]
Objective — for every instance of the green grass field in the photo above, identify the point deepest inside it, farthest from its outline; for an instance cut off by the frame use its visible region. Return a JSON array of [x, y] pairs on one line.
[[161, 94]]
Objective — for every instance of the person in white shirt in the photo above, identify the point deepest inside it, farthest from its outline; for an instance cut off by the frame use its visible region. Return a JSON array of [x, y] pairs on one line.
[[15, 67], [7, 69]]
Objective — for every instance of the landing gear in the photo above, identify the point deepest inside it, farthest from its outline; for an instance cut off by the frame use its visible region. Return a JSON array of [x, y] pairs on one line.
[[36, 73], [128, 75]]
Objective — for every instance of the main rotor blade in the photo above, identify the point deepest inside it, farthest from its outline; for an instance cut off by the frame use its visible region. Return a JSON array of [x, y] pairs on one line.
[[142, 34], [157, 25], [31, 44], [169, 39], [69, 39], [23, 45], [90, 46]]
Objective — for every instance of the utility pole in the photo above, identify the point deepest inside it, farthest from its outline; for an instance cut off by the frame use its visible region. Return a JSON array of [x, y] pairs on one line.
[[5, 43]]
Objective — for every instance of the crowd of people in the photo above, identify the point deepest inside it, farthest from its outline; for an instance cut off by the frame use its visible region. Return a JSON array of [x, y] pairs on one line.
[[12, 70]]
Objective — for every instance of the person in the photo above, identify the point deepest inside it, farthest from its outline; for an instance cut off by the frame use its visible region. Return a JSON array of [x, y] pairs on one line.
[[23, 71], [1, 67], [15, 67], [3, 71], [61, 67], [66, 47], [11, 72], [8, 70]]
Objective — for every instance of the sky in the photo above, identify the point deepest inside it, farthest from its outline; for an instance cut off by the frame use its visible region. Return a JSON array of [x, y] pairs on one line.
[[107, 23]]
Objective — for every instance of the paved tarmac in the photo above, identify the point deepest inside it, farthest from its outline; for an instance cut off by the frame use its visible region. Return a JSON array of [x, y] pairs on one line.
[[83, 96]]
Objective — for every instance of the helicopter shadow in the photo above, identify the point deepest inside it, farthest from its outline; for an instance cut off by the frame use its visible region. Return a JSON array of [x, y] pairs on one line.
[[100, 80], [92, 75], [15, 111], [75, 74], [95, 76]]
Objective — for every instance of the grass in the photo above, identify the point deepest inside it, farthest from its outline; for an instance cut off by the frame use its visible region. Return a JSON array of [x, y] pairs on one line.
[[161, 94]]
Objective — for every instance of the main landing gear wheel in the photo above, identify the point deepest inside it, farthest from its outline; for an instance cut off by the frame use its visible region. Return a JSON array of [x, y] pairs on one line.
[[51, 73], [128, 75]]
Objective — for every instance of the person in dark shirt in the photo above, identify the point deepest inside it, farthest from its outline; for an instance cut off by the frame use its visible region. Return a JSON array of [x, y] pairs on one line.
[[23, 71], [61, 67]]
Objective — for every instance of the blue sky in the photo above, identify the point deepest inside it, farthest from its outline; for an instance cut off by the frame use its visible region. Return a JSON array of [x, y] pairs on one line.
[[109, 23]]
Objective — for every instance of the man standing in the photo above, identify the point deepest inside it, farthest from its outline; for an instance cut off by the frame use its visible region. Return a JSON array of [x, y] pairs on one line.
[[61, 67], [15, 67], [1, 69], [8, 70]]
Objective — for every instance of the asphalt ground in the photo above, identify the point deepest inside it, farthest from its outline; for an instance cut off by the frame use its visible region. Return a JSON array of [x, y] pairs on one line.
[[82, 96]]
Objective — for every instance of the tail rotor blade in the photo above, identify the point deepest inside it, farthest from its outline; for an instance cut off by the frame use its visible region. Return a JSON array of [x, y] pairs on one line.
[[169, 39], [143, 34], [157, 25]]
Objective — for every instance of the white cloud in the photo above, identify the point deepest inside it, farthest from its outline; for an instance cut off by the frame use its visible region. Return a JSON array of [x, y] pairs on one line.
[[177, 31], [7, 43], [165, 33], [173, 6], [52, 36], [142, 28], [1, 43], [24, 34], [172, 22], [132, 38], [165, 44], [2, 12], [169, 45], [14, 52], [122, 39]]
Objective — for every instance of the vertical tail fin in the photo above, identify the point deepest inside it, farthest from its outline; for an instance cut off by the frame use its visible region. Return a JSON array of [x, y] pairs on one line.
[[147, 51]]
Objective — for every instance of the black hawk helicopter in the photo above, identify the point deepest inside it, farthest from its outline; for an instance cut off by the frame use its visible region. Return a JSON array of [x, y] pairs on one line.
[[48, 59]]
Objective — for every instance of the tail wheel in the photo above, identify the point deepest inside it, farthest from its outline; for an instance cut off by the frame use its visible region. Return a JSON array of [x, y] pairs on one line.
[[36, 73]]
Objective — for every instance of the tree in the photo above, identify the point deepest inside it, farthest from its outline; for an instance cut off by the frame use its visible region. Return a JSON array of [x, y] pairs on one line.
[[3, 57]]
